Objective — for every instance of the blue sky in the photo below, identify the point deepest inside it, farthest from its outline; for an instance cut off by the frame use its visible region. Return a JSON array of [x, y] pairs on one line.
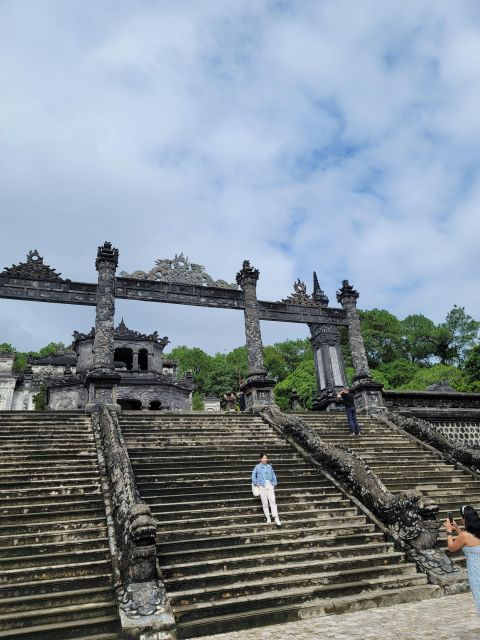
[[336, 136]]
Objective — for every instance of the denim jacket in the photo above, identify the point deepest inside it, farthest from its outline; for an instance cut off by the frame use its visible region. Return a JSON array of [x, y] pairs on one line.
[[262, 473]]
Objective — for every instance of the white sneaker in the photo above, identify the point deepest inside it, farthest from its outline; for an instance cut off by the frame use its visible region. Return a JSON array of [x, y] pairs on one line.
[[277, 522], [268, 521]]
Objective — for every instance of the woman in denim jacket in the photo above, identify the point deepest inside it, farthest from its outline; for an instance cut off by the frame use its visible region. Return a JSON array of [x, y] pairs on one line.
[[263, 476]]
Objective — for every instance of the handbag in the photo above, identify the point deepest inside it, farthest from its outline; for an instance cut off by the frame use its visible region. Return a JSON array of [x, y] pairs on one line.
[[255, 490]]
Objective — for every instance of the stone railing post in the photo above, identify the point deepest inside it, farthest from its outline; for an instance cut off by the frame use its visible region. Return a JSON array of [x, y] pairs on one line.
[[102, 380], [258, 388], [368, 394], [145, 611]]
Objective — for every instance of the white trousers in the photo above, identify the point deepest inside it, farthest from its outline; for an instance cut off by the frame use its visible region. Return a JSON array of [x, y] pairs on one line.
[[267, 496]]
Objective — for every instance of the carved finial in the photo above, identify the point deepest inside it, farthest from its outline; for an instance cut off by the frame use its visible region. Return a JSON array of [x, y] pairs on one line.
[[107, 253], [248, 273], [33, 269], [347, 292], [318, 295]]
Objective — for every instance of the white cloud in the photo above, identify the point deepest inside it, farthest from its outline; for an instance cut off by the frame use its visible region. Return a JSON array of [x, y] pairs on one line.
[[340, 137]]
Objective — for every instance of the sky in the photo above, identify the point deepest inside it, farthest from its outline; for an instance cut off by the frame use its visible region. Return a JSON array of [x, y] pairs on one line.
[[340, 136]]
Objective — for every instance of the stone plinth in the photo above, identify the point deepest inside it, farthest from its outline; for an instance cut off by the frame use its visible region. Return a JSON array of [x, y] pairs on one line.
[[258, 392], [102, 391]]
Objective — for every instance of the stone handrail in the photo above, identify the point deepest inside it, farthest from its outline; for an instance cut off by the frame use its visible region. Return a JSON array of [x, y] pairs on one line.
[[144, 609], [408, 515], [424, 431]]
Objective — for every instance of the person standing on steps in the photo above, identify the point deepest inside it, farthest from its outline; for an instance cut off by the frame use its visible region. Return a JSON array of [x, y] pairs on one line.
[[263, 476], [469, 541], [231, 400], [349, 401]]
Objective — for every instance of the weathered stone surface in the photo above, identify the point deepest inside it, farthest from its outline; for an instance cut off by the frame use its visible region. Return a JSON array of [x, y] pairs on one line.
[[427, 433], [409, 515], [433, 619], [329, 364], [143, 603], [347, 297], [33, 268], [179, 270]]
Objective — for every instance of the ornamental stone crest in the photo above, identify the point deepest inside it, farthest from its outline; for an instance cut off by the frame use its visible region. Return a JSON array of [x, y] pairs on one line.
[[179, 270], [123, 332], [33, 269], [300, 295]]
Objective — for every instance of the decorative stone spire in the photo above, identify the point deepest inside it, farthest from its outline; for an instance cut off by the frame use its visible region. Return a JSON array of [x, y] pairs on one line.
[[347, 292], [247, 275], [318, 295], [107, 253]]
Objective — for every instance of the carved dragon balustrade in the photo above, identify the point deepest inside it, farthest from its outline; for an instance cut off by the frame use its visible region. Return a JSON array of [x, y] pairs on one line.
[[409, 516], [144, 609]]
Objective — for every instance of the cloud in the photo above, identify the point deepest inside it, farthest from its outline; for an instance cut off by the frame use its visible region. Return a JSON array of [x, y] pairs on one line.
[[340, 137]]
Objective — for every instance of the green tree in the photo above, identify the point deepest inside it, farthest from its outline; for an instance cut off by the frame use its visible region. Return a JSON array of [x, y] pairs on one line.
[[418, 331], [53, 349], [192, 359], [383, 336], [237, 362], [453, 338], [427, 376], [221, 377], [303, 380], [40, 399], [6, 347], [471, 366], [197, 401], [294, 352], [398, 372], [275, 363]]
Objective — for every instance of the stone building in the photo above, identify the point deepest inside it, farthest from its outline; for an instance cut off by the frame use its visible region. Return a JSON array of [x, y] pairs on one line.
[[148, 381]]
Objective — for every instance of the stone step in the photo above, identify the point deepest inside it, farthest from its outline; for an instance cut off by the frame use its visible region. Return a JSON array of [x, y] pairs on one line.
[[80, 611], [267, 597], [336, 533], [234, 507], [76, 556], [55, 507], [47, 571], [262, 577], [43, 524], [311, 608], [322, 546], [86, 628], [241, 491], [46, 492], [297, 558], [54, 600], [57, 497], [45, 548], [49, 586], [65, 536]]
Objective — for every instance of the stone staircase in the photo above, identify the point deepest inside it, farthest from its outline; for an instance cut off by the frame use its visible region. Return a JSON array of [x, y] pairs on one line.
[[55, 566], [224, 567], [403, 463]]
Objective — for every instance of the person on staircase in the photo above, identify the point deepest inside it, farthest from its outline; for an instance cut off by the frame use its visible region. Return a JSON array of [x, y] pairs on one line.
[[231, 400], [349, 402], [263, 476], [469, 541]]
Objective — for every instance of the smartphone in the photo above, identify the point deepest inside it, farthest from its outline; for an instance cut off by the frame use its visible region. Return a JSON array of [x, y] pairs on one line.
[[450, 517]]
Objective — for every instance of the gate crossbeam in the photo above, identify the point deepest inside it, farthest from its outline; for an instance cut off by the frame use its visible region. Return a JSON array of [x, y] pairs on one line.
[[83, 293]]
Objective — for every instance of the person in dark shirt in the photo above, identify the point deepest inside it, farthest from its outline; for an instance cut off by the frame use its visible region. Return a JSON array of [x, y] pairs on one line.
[[349, 402]]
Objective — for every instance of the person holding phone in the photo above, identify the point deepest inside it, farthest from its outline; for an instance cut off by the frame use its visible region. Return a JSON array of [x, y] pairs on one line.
[[469, 541]]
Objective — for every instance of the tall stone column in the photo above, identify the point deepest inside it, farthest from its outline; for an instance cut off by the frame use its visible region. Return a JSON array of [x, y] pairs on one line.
[[329, 364], [368, 394], [258, 388], [135, 360], [101, 379]]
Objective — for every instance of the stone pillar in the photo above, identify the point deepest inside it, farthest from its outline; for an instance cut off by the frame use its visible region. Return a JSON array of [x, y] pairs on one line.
[[329, 364], [368, 394], [102, 380], [258, 388], [150, 362], [135, 360]]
